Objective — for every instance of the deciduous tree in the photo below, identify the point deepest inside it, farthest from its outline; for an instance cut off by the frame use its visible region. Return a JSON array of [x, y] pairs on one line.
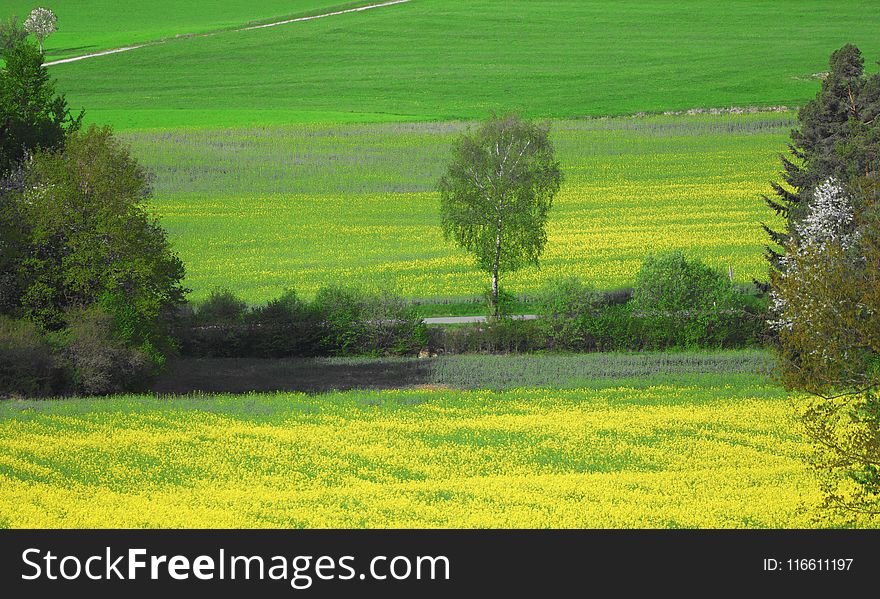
[[497, 192], [42, 22], [32, 115]]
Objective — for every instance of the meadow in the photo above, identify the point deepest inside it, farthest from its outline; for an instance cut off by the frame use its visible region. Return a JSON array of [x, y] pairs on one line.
[[261, 209], [457, 59], [88, 26], [698, 453]]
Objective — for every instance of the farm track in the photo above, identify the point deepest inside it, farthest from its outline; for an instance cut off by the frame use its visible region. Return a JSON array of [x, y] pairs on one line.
[[212, 33], [471, 319]]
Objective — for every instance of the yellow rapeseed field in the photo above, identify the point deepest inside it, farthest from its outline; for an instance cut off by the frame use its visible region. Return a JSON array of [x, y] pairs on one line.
[[690, 455]]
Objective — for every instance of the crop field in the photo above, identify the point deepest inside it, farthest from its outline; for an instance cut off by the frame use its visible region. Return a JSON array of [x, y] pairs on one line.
[[308, 154], [88, 26], [261, 209], [458, 59], [466, 371], [699, 453]]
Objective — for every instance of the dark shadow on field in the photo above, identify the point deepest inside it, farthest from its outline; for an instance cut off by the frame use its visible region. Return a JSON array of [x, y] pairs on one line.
[[62, 51], [308, 375]]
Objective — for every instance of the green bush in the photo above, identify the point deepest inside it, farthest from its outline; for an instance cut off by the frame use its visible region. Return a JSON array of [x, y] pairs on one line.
[[672, 283], [356, 323], [339, 322], [102, 363], [568, 308], [221, 307], [286, 326], [27, 365], [684, 303]]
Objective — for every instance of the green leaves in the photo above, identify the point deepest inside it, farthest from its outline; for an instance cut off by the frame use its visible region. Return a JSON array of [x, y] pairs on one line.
[[497, 192], [32, 116]]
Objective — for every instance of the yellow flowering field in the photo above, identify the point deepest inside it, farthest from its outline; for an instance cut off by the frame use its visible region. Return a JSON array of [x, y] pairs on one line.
[[264, 209], [700, 453]]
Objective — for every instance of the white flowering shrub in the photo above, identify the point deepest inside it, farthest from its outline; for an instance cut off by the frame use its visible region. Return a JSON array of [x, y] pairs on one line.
[[42, 22], [829, 219], [829, 225]]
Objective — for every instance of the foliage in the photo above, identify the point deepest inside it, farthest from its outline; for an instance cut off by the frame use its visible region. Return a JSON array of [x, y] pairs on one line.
[[221, 307], [355, 323], [568, 306], [286, 326], [826, 301], [340, 321], [42, 22], [90, 239], [32, 116], [496, 194], [28, 366], [12, 33], [672, 283], [837, 138], [826, 286], [102, 363]]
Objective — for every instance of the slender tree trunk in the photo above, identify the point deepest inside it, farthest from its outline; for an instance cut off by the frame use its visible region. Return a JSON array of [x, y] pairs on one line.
[[495, 272], [40, 40]]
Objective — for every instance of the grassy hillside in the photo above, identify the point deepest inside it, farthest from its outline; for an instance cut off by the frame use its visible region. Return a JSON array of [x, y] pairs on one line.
[[261, 209], [702, 453], [86, 26], [450, 59]]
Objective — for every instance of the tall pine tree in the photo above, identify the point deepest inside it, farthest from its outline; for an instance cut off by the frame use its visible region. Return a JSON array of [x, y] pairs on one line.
[[837, 137]]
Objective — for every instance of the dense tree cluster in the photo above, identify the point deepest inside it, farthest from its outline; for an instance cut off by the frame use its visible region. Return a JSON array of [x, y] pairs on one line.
[[825, 283], [81, 258]]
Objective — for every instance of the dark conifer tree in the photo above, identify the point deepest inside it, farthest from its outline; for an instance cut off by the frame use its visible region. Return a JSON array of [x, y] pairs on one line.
[[837, 137]]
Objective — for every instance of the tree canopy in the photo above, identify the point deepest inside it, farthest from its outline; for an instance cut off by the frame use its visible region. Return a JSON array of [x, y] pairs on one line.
[[32, 115], [42, 22], [89, 239], [496, 194], [838, 136], [825, 285]]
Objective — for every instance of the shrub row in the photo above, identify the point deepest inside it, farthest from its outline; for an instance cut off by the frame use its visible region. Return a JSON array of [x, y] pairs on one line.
[[338, 322], [86, 358]]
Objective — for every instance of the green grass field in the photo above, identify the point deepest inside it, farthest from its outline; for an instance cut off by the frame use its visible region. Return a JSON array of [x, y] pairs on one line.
[[698, 453], [264, 208], [457, 59], [88, 26]]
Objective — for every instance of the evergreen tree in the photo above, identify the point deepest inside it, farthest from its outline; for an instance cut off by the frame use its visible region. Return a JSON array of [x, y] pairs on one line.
[[836, 138], [32, 115]]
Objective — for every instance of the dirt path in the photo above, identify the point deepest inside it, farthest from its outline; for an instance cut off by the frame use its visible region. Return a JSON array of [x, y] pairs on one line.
[[472, 319], [275, 24]]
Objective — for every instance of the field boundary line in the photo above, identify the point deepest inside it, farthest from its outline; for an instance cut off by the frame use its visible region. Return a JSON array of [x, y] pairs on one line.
[[211, 33], [102, 53], [329, 14]]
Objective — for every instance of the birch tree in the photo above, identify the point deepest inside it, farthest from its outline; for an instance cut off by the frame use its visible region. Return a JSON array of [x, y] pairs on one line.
[[497, 192]]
